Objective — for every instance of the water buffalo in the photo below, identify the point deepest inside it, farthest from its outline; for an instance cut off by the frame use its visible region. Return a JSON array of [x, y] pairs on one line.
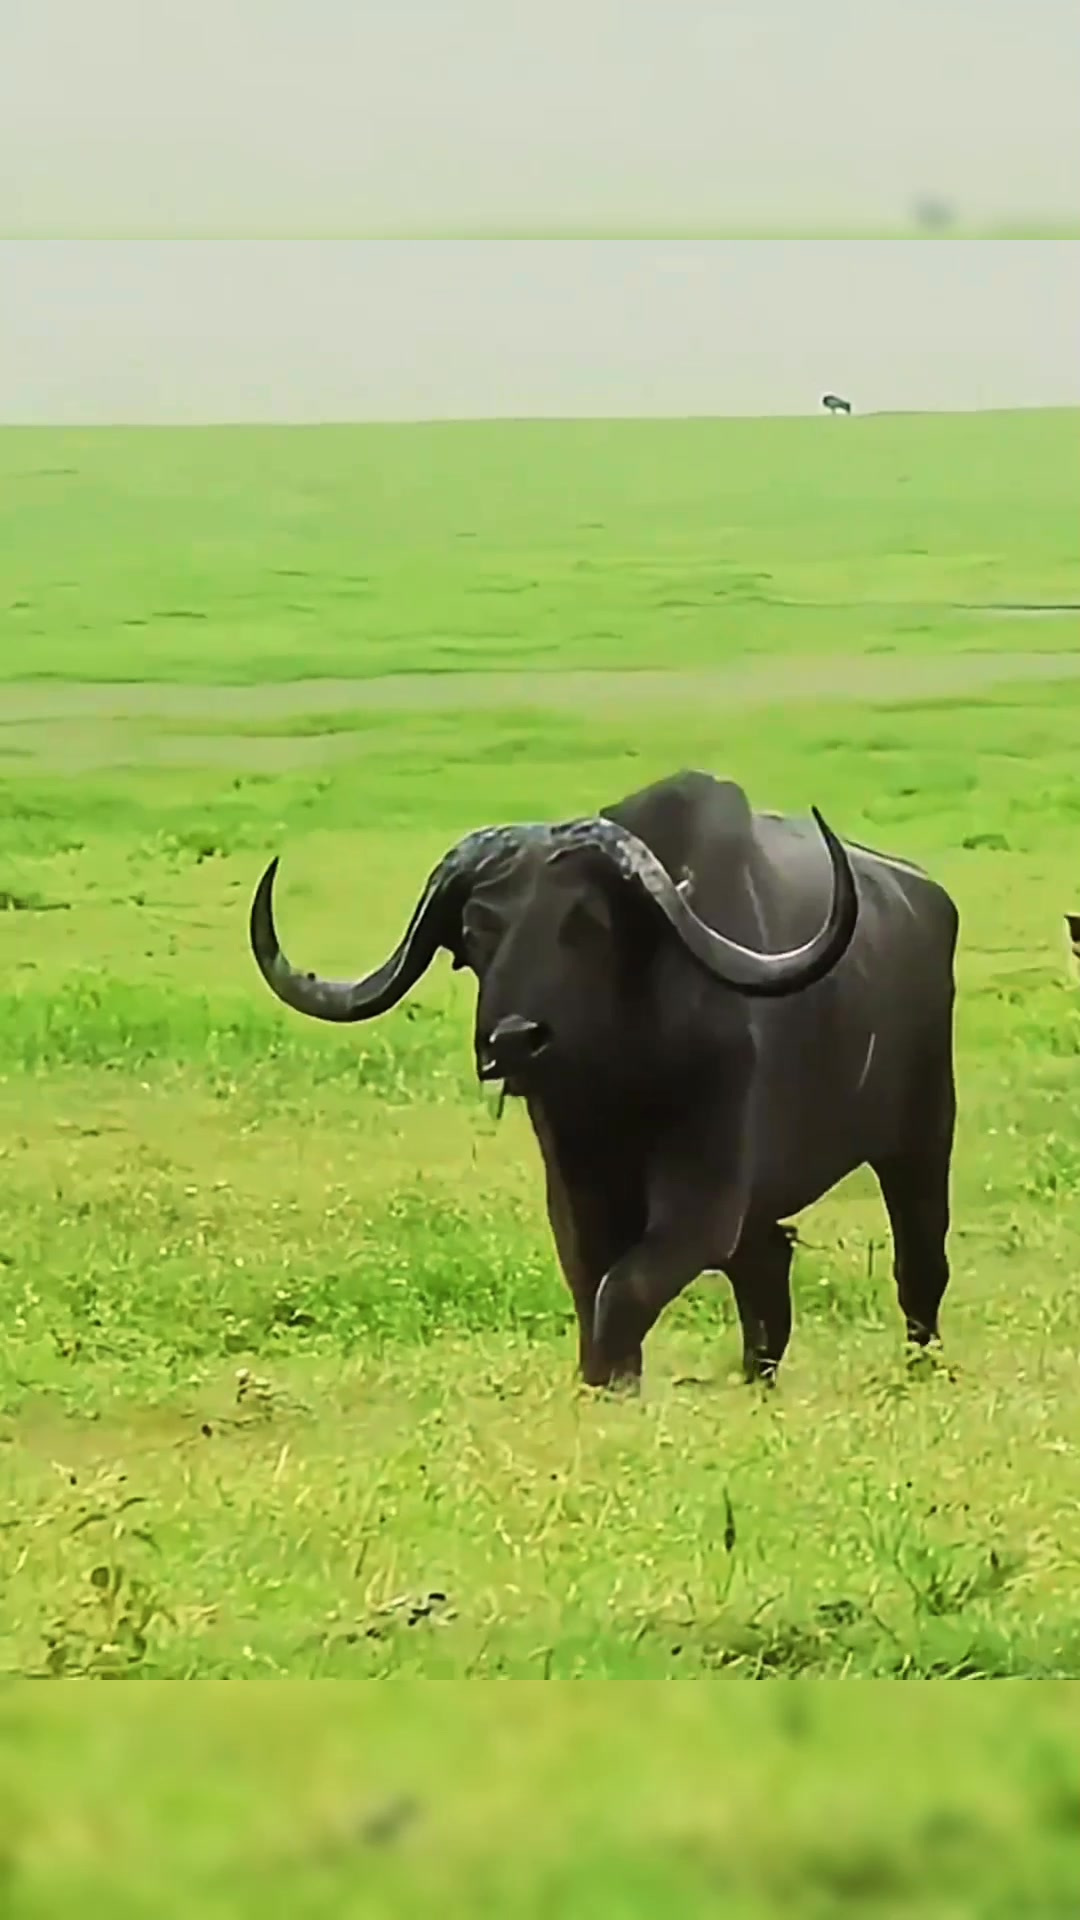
[[835, 403], [691, 1089]]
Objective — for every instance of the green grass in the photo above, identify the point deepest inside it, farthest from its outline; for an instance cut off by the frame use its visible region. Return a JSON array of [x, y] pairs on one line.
[[818, 1804], [275, 554], [286, 1353]]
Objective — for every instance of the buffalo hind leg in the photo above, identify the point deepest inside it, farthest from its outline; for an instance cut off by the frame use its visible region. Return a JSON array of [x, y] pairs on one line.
[[915, 1188], [760, 1275]]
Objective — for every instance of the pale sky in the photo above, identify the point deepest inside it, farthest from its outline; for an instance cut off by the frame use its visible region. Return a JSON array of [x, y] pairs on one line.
[[326, 116], [98, 331]]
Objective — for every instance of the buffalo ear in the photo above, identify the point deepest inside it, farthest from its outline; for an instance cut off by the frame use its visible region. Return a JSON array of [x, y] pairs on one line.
[[456, 948]]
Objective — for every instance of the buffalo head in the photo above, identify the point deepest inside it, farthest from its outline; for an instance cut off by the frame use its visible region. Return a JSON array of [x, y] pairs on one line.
[[556, 922]]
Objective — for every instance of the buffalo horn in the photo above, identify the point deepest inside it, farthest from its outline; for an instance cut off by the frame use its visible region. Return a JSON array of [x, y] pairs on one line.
[[435, 923], [763, 975]]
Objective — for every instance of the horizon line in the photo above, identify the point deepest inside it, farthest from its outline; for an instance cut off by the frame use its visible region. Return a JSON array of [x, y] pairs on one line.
[[319, 424]]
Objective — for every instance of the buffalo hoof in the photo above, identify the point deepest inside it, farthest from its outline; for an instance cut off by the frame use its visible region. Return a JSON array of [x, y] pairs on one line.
[[929, 1362], [624, 1380], [759, 1373]]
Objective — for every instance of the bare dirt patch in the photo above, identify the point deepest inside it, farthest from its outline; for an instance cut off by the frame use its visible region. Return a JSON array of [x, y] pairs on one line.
[[77, 726], [761, 678]]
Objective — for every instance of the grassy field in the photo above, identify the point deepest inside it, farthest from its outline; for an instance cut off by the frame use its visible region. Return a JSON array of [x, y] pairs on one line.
[[277, 555], [287, 1374], [821, 1803]]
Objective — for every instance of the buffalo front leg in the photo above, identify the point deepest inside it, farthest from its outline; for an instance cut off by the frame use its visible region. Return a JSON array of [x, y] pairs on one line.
[[686, 1234], [760, 1275], [631, 1298], [694, 1222], [582, 1276], [915, 1188], [588, 1234]]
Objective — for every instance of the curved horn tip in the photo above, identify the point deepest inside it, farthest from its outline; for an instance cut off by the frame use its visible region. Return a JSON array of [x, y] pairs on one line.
[[831, 838], [266, 884], [261, 928], [266, 880]]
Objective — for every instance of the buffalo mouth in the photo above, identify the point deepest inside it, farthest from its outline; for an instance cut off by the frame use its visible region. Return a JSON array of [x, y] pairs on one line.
[[489, 1073]]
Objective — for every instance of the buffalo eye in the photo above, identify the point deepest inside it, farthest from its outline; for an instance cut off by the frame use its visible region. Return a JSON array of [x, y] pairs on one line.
[[481, 927]]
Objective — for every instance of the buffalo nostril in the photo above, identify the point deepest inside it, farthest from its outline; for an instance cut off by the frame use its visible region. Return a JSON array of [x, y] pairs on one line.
[[514, 1030], [514, 1040]]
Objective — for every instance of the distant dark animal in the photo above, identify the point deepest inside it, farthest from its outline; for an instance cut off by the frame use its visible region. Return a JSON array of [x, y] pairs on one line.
[[933, 214], [1072, 938], [692, 1089], [833, 403]]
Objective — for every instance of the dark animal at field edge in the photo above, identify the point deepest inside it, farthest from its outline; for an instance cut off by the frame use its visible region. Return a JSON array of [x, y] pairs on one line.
[[833, 403], [692, 1090]]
